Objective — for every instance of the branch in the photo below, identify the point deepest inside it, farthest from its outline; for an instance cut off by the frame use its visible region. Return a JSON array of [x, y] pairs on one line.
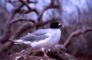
[[7, 32], [26, 26], [19, 20], [40, 23], [5, 46], [29, 8], [75, 33]]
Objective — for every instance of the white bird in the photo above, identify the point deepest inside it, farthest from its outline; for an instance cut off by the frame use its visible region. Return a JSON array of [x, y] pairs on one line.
[[42, 38]]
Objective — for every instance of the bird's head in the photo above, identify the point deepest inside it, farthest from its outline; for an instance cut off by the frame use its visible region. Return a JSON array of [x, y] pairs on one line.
[[55, 25]]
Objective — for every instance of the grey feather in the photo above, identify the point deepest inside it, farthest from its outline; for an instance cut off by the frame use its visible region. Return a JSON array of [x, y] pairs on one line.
[[35, 36]]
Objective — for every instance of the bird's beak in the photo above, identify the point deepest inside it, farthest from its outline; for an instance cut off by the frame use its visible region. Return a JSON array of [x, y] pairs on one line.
[[60, 25]]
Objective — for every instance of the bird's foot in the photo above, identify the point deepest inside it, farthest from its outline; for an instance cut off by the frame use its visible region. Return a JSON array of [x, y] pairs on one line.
[[44, 50]]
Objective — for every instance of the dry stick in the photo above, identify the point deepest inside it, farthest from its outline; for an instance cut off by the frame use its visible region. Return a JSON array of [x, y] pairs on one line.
[[71, 35], [35, 2], [5, 46], [6, 34], [29, 52], [5, 37], [40, 23], [7, 28], [75, 33], [40, 17], [30, 9], [23, 53], [86, 29], [19, 20], [22, 29]]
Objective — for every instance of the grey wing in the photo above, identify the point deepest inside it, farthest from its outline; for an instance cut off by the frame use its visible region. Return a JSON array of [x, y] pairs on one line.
[[40, 32], [31, 37]]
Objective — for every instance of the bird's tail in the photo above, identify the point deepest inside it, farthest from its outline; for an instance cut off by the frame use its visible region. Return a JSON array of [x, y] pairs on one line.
[[20, 41]]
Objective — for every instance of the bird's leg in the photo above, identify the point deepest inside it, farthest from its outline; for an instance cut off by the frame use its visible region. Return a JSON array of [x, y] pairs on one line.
[[44, 52]]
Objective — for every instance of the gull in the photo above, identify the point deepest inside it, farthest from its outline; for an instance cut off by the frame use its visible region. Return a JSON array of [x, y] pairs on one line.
[[42, 38]]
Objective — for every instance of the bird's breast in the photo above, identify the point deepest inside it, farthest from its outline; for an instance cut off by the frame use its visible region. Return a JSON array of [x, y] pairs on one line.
[[53, 39]]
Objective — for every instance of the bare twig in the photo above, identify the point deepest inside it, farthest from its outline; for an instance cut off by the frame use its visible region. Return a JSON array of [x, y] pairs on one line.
[[7, 32], [5, 46], [21, 29], [30, 9], [75, 33], [40, 22]]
